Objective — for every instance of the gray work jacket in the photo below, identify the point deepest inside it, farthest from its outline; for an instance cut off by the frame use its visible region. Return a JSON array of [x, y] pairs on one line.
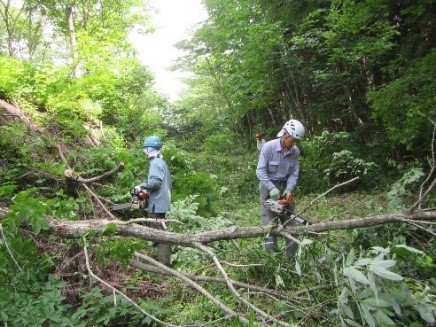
[[277, 164], [159, 185]]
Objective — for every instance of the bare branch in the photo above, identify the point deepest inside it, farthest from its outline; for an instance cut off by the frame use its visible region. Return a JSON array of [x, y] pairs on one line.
[[91, 273], [248, 287], [62, 156], [327, 192], [13, 110], [420, 227], [423, 194], [99, 202], [194, 285], [72, 182], [233, 290], [8, 249], [97, 178]]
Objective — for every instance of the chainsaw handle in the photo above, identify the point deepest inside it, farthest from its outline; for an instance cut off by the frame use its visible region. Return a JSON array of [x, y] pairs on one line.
[[284, 200], [142, 195]]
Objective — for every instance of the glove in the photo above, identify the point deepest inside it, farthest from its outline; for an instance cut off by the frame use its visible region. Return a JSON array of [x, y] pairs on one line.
[[287, 192], [274, 193]]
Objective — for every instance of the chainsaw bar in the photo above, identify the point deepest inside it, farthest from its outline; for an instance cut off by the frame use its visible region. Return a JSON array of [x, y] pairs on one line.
[[297, 218], [122, 206], [280, 209]]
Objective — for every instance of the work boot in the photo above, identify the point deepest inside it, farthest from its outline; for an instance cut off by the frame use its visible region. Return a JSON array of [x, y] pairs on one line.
[[270, 244], [164, 254], [291, 248]]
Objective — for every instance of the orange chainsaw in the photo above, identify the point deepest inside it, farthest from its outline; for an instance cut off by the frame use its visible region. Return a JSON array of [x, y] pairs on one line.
[[139, 200], [281, 207]]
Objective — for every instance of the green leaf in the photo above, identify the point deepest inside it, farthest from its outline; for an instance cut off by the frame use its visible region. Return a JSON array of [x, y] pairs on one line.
[[352, 323], [344, 295], [4, 316], [362, 262], [298, 268], [352, 283], [356, 275], [376, 303], [379, 249], [335, 273], [346, 309], [306, 241], [383, 319], [367, 316], [384, 263], [425, 313], [410, 249], [372, 285], [350, 258], [279, 281], [384, 273]]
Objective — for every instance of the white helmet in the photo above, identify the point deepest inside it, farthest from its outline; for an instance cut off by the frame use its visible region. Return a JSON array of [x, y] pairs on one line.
[[294, 128]]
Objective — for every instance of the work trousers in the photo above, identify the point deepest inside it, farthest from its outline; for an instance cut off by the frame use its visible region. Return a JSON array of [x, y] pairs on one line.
[[271, 218], [163, 250]]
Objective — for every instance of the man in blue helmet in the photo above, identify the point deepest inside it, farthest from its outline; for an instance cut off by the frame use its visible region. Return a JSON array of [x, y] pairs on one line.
[[159, 186]]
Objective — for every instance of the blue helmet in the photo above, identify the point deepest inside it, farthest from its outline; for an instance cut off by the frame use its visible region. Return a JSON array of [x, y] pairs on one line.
[[152, 141]]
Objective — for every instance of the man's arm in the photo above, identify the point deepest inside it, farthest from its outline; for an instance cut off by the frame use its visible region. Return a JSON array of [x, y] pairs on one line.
[[155, 177]]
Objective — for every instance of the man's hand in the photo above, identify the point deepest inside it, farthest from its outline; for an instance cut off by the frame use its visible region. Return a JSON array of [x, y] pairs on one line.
[[287, 192], [138, 188], [274, 193]]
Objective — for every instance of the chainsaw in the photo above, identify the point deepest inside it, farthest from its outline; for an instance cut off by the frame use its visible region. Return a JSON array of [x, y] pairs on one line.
[[281, 207], [139, 201]]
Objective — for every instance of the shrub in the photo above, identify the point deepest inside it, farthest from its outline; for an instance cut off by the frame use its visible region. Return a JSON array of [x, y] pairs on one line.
[[344, 166]]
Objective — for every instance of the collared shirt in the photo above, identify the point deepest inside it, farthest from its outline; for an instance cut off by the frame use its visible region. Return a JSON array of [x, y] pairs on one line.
[[278, 164]]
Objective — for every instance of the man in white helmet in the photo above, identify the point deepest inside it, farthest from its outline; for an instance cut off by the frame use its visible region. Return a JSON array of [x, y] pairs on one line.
[[277, 170]]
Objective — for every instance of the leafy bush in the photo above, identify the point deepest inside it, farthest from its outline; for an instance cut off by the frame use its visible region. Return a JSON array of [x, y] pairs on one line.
[[344, 166], [27, 302], [189, 221], [98, 309], [189, 180], [316, 156], [219, 143]]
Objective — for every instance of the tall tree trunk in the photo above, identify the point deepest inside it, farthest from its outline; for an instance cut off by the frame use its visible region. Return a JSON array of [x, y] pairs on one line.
[[73, 41], [9, 24]]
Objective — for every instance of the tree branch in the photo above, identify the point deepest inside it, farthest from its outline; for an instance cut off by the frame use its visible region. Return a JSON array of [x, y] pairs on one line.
[[69, 174], [114, 290], [194, 285], [423, 194], [327, 192], [249, 287], [241, 299]]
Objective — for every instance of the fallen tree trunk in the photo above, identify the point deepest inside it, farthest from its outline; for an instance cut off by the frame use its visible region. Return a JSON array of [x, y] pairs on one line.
[[12, 112], [75, 229]]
